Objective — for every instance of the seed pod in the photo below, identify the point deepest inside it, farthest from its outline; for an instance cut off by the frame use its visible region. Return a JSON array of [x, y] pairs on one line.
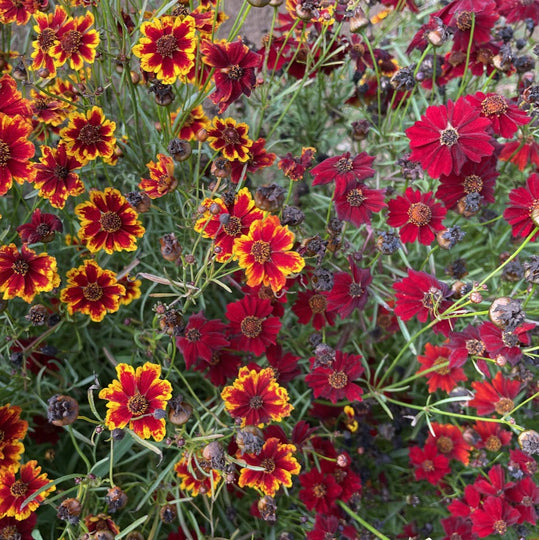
[[259, 3], [116, 499], [179, 150], [139, 200], [63, 410], [69, 510], [214, 453], [179, 411], [168, 513], [267, 508]]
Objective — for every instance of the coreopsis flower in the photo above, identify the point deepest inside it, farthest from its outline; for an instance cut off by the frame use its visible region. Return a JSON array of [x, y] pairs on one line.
[[225, 222], [25, 274], [418, 216], [15, 152], [428, 464], [459, 18], [496, 396], [230, 138], [197, 478], [522, 152], [134, 399], [505, 116], [343, 169], [265, 253], [450, 442], [491, 436], [11, 101], [495, 516], [167, 47], [456, 527], [108, 222], [468, 504], [525, 497], [522, 213], [55, 177], [195, 121], [465, 344], [355, 202], [16, 488], [223, 367], [313, 305], [447, 136], [258, 158], [13, 430], [334, 381], [422, 295], [349, 292], [42, 228], [284, 364], [132, 289], [201, 338], [294, 167], [92, 291], [161, 179], [46, 29], [89, 135], [76, 42], [443, 378], [505, 344], [519, 10], [18, 529], [521, 463], [101, 523], [235, 66], [319, 491], [256, 398], [18, 12], [330, 526]]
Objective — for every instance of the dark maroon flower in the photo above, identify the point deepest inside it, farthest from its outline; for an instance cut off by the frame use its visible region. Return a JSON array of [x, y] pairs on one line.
[[319, 491], [428, 464], [456, 527], [521, 463], [41, 228], [495, 516], [505, 344], [313, 306], [523, 212], [468, 504], [418, 216], [467, 343], [355, 203], [284, 365], [460, 20], [519, 10], [343, 169], [222, 367]]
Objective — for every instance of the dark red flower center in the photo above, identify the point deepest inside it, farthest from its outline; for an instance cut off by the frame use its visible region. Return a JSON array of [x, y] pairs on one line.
[[233, 227], [46, 39], [355, 197], [110, 222], [235, 72], [318, 303], [419, 214], [494, 105], [18, 488], [475, 347], [261, 251], [89, 134], [231, 136], [504, 406], [193, 335], [338, 380], [20, 266], [60, 172], [444, 444], [10, 533], [43, 229], [42, 104], [92, 292], [444, 370], [251, 326], [428, 465], [166, 46], [137, 404], [319, 490], [355, 290], [449, 136], [464, 21], [526, 501], [493, 443], [5, 154], [473, 184], [71, 41], [500, 526], [344, 165], [268, 464], [256, 402]]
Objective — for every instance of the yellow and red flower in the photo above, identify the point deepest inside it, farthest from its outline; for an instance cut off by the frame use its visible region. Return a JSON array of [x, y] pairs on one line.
[[24, 274], [14, 491], [15, 152], [55, 178], [19, 529], [89, 135], [108, 222], [17, 11], [195, 120], [256, 397], [92, 291], [48, 110], [167, 47], [229, 137], [197, 478], [278, 462], [265, 253], [11, 100], [134, 398], [76, 42], [132, 289], [13, 429], [161, 179]]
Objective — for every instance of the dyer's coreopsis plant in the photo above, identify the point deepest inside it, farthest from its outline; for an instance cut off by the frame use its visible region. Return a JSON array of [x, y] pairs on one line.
[[272, 281]]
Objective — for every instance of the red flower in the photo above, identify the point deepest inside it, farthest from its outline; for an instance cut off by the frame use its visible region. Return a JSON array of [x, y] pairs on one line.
[[447, 136], [18, 529], [11, 101], [40, 229], [343, 169], [234, 74], [161, 179], [423, 296], [319, 491], [334, 382], [418, 216], [456, 528], [525, 496], [17, 11], [285, 365], [450, 442], [505, 344], [251, 327], [520, 462], [201, 338], [197, 476], [349, 292], [464, 344], [522, 214], [458, 15], [294, 167], [354, 202], [468, 504], [495, 516], [222, 367], [15, 152], [258, 159], [429, 465], [519, 10], [496, 397], [492, 436], [313, 305], [256, 398], [522, 152], [13, 430], [443, 378], [278, 463], [55, 178]]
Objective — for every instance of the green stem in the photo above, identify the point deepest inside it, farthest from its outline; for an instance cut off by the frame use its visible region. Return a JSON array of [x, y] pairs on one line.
[[361, 521]]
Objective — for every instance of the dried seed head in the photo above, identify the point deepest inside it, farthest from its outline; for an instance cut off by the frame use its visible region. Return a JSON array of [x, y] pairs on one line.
[[134, 535], [69, 510], [37, 315], [270, 197], [506, 313], [168, 513], [250, 440], [170, 247], [221, 167], [139, 200], [214, 453], [63, 410], [116, 499], [179, 150], [529, 442], [179, 411], [267, 508]]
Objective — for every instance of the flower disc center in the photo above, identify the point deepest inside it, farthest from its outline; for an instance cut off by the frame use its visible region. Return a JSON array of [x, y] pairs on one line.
[[338, 380], [256, 402], [251, 326], [493, 443], [193, 335], [89, 134], [111, 222], [444, 444], [233, 227], [268, 464], [5, 154], [21, 267], [449, 136], [344, 165], [137, 404], [355, 197], [318, 303], [92, 292], [235, 72], [504, 406], [419, 214], [355, 290], [46, 39], [18, 489], [71, 41], [166, 46], [473, 184], [475, 347], [261, 251], [231, 135], [464, 21], [494, 105]]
